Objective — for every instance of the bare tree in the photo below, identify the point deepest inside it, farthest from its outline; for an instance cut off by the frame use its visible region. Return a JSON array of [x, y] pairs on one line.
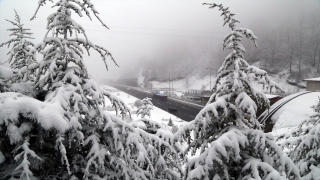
[[315, 38], [300, 42], [315, 44], [293, 47], [273, 44], [318, 69]]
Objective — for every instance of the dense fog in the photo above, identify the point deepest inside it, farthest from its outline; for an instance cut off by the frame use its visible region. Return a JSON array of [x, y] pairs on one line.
[[178, 37]]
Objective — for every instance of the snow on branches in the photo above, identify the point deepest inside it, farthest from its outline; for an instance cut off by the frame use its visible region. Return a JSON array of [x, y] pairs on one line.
[[232, 83], [137, 153], [146, 107], [231, 142], [22, 57], [68, 129], [303, 145], [25, 163], [117, 103], [234, 148]]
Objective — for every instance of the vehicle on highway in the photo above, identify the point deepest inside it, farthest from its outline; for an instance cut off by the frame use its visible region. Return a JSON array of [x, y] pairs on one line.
[[157, 95], [172, 110]]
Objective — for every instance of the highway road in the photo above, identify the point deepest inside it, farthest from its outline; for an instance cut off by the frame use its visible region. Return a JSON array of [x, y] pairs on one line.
[[185, 111], [188, 112]]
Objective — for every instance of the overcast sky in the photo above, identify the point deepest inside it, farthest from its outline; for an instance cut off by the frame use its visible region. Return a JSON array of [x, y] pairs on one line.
[[145, 29]]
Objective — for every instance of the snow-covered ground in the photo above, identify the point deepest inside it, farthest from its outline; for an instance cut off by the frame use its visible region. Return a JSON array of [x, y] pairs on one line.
[[288, 117], [191, 82], [195, 82], [157, 114]]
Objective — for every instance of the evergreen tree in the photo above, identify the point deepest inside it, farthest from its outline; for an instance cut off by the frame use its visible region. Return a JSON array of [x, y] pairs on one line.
[[168, 159], [22, 57], [170, 123], [226, 132], [68, 135], [146, 107], [303, 145]]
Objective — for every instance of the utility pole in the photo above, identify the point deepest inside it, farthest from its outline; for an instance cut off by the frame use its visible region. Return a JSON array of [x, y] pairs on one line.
[[172, 85], [211, 74], [169, 84]]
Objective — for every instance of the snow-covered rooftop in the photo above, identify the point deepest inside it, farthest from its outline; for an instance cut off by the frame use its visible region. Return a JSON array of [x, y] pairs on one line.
[[313, 79]]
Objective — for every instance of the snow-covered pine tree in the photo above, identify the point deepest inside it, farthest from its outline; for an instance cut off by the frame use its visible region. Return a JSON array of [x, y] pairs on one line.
[[160, 131], [22, 57], [303, 145], [226, 132], [146, 107], [168, 160], [68, 135]]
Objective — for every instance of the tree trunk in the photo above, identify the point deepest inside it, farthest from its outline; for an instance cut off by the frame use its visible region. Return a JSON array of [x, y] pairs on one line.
[[265, 62], [291, 58], [65, 33], [318, 60], [300, 59], [273, 52], [315, 54]]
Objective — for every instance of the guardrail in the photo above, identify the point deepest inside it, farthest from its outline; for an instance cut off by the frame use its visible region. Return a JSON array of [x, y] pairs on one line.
[[171, 98]]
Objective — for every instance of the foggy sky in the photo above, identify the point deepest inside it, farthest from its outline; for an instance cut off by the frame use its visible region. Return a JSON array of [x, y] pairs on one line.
[[152, 29]]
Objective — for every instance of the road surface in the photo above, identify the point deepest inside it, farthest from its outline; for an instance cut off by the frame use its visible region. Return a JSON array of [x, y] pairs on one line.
[[185, 111], [188, 112]]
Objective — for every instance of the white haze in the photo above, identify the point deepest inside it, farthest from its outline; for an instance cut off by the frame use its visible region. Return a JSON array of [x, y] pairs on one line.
[[154, 30]]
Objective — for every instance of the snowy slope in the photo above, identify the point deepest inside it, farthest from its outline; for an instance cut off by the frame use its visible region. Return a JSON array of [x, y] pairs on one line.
[[191, 82], [157, 114], [195, 82]]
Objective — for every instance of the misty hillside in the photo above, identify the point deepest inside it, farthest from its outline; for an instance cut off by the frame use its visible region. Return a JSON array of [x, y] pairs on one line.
[[288, 50]]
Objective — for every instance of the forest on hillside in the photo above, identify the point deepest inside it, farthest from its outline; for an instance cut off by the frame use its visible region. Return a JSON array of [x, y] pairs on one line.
[[55, 125], [292, 44]]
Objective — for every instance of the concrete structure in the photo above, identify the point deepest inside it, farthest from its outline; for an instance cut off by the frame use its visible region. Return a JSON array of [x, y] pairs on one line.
[[205, 96], [313, 84], [273, 98]]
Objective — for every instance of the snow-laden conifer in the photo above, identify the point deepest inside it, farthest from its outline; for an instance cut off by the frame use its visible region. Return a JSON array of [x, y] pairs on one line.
[[226, 132], [303, 145], [22, 57], [145, 109], [167, 166], [68, 130]]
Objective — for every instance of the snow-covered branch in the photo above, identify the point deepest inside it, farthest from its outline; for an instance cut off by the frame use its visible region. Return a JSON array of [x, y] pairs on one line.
[[226, 131]]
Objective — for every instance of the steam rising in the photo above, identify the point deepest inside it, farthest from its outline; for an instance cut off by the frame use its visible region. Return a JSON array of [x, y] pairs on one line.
[[162, 37]]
